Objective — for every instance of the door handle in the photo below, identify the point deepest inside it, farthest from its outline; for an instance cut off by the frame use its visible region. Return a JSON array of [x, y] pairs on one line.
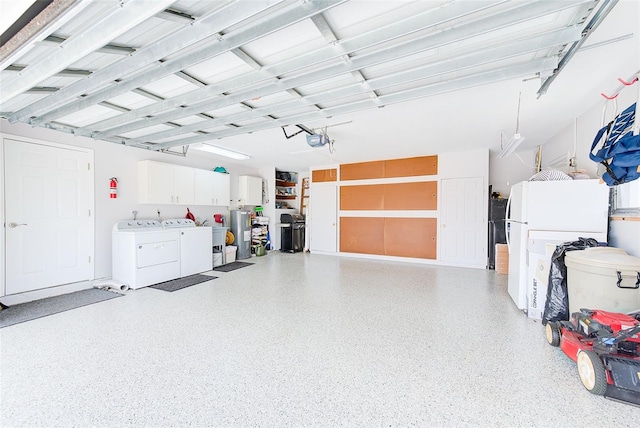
[[14, 224]]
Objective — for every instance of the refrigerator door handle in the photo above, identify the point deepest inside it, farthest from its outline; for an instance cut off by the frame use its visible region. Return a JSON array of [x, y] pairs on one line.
[[506, 223]]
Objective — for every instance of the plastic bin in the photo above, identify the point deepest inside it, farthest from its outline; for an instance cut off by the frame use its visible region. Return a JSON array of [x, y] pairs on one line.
[[217, 259], [603, 278], [231, 253]]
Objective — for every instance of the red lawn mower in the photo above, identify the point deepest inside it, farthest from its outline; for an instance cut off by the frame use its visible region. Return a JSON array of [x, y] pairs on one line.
[[606, 347]]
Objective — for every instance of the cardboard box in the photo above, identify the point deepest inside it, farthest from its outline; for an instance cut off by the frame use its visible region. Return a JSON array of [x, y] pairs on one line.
[[502, 259], [537, 282]]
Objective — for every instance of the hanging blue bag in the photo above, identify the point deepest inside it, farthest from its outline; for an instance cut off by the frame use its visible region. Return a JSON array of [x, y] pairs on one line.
[[620, 149]]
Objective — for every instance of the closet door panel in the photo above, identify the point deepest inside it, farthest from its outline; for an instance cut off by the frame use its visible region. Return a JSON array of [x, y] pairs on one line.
[[411, 196], [369, 197], [324, 175], [410, 237], [362, 170], [363, 235], [411, 167]]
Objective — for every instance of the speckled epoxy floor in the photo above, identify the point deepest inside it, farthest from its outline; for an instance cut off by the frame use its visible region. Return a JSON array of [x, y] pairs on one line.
[[300, 340]]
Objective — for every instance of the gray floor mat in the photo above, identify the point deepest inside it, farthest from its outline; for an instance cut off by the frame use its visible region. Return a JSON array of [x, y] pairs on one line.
[[231, 266], [53, 305], [180, 283]]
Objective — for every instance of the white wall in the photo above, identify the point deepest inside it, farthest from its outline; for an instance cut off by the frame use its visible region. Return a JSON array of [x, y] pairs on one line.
[[113, 160], [505, 172]]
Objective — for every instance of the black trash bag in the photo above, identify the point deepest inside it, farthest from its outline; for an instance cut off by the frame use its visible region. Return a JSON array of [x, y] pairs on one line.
[[557, 306]]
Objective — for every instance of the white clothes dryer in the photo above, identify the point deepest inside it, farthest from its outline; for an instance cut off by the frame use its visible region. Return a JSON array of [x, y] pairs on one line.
[[144, 253]]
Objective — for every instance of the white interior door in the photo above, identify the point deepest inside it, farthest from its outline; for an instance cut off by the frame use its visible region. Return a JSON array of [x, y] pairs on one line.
[[463, 223], [323, 211], [49, 226]]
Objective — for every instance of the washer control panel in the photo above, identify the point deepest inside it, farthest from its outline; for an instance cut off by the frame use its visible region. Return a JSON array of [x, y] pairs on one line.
[[178, 222]]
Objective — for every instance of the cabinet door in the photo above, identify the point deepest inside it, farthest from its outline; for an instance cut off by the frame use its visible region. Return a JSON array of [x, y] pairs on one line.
[[323, 175], [204, 187], [410, 167], [184, 185], [222, 189], [250, 190], [254, 195], [410, 237], [362, 170], [156, 183], [362, 235]]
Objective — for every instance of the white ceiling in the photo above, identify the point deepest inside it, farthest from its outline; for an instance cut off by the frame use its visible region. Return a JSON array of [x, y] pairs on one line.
[[387, 78]]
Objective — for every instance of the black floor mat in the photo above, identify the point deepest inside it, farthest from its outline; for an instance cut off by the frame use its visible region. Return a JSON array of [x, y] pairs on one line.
[[180, 283], [53, 305], [231, 266]]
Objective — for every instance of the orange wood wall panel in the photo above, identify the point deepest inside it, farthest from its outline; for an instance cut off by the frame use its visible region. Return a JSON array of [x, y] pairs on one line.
[[410, 167], [363, 235], [410, 237], [323, 175], [422, 195], [362, 170], [398, 196], [370, 197]]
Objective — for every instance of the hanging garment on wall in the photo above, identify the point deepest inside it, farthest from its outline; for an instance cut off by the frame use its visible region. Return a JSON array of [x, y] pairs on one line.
[[620, 149]]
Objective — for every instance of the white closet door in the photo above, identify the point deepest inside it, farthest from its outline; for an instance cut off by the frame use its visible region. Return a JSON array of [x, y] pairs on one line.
[[49, 233], [463, 224], [322, 222]]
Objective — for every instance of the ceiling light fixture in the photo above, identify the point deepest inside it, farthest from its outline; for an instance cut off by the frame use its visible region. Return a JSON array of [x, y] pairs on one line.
[[511, 145], [514, 141], [219, 151]]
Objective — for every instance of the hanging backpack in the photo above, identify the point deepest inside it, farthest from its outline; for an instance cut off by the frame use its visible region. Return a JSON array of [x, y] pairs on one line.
[[620, 149]]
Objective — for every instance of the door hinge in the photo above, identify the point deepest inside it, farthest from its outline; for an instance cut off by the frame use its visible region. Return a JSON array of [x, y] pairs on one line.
[[89, 259], [88, 167]]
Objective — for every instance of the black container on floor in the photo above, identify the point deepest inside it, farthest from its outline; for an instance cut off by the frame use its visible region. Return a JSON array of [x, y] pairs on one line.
[[292, 235]]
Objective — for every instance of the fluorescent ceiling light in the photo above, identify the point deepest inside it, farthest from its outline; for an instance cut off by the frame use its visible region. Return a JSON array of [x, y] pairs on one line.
[[219, 151], [511, 145]]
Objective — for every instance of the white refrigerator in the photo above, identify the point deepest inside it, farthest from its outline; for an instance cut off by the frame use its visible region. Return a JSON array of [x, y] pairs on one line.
[[538, 210]]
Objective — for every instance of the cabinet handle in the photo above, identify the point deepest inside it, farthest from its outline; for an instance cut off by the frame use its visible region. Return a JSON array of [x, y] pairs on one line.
[[171, 198], [178, 199]]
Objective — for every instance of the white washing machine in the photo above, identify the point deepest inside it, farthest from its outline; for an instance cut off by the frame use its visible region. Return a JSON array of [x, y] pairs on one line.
[[144, 253], [196, 245]]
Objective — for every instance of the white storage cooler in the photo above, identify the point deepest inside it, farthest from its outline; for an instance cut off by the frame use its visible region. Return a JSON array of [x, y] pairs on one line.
[[603, 278]]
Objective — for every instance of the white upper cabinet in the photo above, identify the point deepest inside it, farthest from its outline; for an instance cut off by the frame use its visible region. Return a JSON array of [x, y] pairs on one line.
[[155, 183], [212, 188], [184, 190], [163, 183], [204, 187], [221, 189], [249, 190]]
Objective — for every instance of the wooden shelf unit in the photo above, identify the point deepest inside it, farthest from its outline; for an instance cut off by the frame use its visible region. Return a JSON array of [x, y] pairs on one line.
[[286, 190]]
